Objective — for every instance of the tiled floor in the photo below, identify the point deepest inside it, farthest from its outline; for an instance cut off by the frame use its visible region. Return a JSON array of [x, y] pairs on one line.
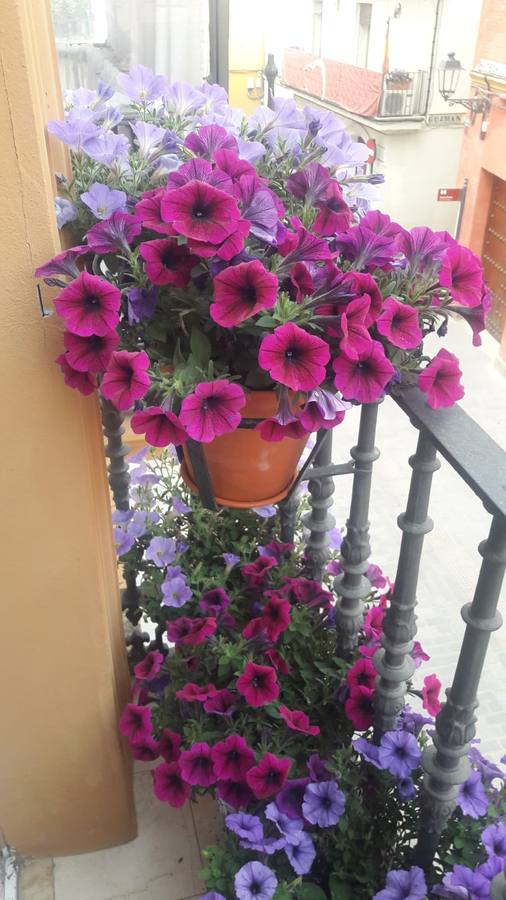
[[163, 862]]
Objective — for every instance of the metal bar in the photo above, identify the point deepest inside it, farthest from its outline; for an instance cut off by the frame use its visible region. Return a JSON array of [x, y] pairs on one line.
[[116, 452], [218, 42], [479, 461], [352, 585], [201, 474], [321, 471], [393, 662], [288, 515], [319, 521], [446, 765], [308, 461], [462, 206]]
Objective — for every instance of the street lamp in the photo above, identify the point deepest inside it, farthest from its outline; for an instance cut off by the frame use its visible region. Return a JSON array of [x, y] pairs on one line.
[[448, 78]]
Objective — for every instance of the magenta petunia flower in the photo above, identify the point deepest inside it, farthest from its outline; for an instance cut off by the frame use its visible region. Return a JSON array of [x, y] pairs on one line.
[[358, 708], [275, 615], [170, 744], [258, 684], [355, 338], [80, 381], [399, 324], [334, 214], [195, 692], [232, 758], [200, 170], [135, 722], [360, 284], [146, 749], [300, 282], [269, 776], [149, 667], [196, 765], [298, 721], [301, 246], [90, 354], [169, 785], [440, 380], [235, 794], [362, 673], [229, 248], [63, 263], [363, 379], [167, 262], [430, 694], [294, 358], [462, 273], [222, 703], [160, 426], [260, 206], [89, 305], [126, 378], [256, 572], [200, 211], [191, 632], [214, 602], [277, 661], [212, 410], [148, 210], [208, 139], [271, 430], [310, 183], [115, 233], [241, 291]]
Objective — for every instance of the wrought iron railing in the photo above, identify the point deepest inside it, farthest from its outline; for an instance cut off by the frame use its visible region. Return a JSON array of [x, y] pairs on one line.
[[402, 94], [481, 464]]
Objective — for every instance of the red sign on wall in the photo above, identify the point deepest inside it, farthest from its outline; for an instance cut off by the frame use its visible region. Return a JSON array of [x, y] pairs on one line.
[[448, 194]]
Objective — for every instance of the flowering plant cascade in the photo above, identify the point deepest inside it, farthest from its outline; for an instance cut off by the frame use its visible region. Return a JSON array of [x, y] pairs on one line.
[[220, 254], [247, 700]]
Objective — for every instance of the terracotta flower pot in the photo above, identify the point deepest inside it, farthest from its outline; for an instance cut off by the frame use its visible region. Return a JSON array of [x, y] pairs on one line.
[[245, 470]]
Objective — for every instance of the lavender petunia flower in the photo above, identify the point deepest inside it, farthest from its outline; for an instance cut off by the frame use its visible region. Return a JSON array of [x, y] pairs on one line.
[[265, 512], [182, 99], [65, 211], [115, 233], [104, 91], [491, 867], [323, 803], [231, 559], [216, 97], [369, 752], [141, 303], [175, 592], [463, 882], [103, 201], [254, 881], [404, 885], [251, 151], [494, 840], [110, 118], [63, 263], [108, 149], [267, 845], [73, 131], [412, 721], [161, 551], [245, 826], [289, 828], [141, 84], [302, 854], [123, 540], [335, 538], [180, 507], [317, 768], [472, 798], [138, 457], [149, 137], [487, 769], [406, 789], [284, 122], [212, 895], [399, 753]]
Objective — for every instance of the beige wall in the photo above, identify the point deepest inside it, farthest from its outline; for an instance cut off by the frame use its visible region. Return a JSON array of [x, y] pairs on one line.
[[65, 780]]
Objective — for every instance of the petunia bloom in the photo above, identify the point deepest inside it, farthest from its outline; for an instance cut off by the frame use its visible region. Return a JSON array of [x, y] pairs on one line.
[[254, 881], [113, 234], [241, 291], [472, 797], [89, 305], [269, 776], [126, 378], [363, 379], [494, 840], [103, 201], [141, 84], [232, 758], [294, 357], [149, 667], [399, 324], [197, 766], [245, 826], [323, 803], [399, 753], [466, 883], [80, 381], [175, 592], [135, 722], [298, 721], [161, 551], [362, 672], [430, 694], [258, 684], [301, 854], [404, 885], [167, 262], [212, 410], [223, 703], [64, 263], [169, 785], [191, 632], [462, 273], [440, 380], [170, 744], [160, 426], [90, 354], [275, 615], [145, 749], [236, 794], [214, 601], [358, 708], [201, 211]]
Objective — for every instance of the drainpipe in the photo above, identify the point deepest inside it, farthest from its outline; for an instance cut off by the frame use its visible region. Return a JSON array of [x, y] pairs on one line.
[[432, 55]]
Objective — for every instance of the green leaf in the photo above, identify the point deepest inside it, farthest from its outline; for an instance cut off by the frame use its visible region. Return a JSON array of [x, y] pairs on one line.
[[200, 347], [339, 890], [266, 322], [310, 891]]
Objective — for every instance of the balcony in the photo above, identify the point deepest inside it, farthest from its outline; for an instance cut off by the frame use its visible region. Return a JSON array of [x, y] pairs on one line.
[[397, 95]]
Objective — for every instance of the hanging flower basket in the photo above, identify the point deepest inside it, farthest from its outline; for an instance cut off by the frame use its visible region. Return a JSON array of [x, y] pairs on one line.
[[230, 270]]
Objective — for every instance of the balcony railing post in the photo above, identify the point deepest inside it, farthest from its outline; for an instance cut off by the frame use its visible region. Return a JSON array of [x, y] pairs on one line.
[[119, 480], [319, 521], [446, 764], [393, 662], [288, 516], [352, 586]]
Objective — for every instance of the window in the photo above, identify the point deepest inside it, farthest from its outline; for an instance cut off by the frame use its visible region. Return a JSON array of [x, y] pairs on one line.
[[364, 13]]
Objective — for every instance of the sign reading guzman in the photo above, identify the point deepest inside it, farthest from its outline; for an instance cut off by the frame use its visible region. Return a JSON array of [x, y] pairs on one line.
[[447, 194]]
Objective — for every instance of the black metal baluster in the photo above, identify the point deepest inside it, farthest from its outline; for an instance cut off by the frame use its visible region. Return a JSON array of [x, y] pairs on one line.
[[319, 521]]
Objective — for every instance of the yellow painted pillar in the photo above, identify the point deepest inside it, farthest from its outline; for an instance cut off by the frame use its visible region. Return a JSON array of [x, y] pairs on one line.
[[65, 776], [246, 56]]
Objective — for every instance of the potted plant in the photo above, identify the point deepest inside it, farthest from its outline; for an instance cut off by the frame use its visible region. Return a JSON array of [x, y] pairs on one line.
[[230, 283], [397, 80]]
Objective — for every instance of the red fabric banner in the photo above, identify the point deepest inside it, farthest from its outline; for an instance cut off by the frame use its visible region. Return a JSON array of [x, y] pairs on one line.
[[353, 88]]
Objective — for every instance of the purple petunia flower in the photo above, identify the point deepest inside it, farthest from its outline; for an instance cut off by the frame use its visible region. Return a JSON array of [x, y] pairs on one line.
[[65, 211], [175, 592], [182, 99], [290, 798], [103, 201], [487, 769], [491, 867], [323, 803], [245, 826], [63, 263], [254, 881], [74, 131], [149, 138], [141, 84], [161, 551], [472, 798], [399, 753], [289, 828], [302, 854], [404, 885], [370, 752], [494, 840], [267, 845], [406, 789], [141, 303], [284, 122], [231, 559], [413, 722], [115, 233], [317, 768], [123, 540], [108, 149], [180, 507], [463, 882], [212, 895], [265, 512]]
